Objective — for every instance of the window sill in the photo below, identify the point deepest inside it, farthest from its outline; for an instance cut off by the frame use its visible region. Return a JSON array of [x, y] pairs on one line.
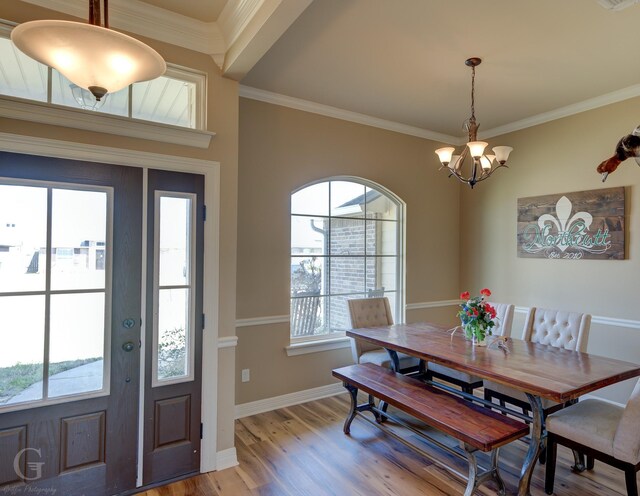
[[58, 115], [306, 347]]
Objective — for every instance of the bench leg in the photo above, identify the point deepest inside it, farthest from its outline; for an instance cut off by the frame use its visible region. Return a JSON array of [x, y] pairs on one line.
[[353, 392], [502, 489], [472, 482]]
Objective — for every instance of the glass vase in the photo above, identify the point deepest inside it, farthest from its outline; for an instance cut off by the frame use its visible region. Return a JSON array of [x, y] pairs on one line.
[[476, 341]]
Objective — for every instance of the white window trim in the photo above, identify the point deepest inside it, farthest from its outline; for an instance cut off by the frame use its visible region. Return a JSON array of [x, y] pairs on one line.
[[313, 344], [60, 115], [106, 379], [191, 323], [305, 347]]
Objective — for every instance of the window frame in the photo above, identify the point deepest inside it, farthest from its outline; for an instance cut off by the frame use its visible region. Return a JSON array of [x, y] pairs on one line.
[[399, 311], [191, 323], [49, 186], [174, 71]]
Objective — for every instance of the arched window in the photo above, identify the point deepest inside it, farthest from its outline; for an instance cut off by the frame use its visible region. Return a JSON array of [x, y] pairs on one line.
[[346, 242]]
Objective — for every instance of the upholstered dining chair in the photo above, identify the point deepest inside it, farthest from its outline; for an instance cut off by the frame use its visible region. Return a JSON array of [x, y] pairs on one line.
[[568, 330], [375, 312], [468, 382], [602, 431]]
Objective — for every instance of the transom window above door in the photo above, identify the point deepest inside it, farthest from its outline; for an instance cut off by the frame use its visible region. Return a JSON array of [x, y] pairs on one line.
[[346, 242], [176, 98]]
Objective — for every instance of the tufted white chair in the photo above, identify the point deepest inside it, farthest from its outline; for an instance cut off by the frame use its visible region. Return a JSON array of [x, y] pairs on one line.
[[466, 381], [602, 430], [504, 321], [374, 312], [568, 330]]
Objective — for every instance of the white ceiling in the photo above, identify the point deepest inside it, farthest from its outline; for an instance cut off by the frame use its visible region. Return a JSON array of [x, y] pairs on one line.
[[403, 60], [203, 10]]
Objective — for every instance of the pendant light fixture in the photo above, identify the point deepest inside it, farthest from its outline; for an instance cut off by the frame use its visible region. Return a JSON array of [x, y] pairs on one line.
[[482, 165], [91, 56]]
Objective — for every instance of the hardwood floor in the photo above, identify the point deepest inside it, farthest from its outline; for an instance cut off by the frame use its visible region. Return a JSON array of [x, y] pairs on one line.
[[301, 450]]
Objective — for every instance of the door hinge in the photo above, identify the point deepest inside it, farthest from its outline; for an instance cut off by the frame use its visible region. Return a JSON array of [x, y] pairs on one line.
[[204, 213], [203, 319], [201, 429]]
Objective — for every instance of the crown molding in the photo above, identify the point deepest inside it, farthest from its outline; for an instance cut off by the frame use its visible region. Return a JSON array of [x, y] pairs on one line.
[[575, 108], [153, 22], [235, 17], [345, 115]]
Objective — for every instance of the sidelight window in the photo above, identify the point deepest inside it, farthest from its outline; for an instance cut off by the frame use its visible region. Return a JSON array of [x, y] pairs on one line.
[[174, 287]]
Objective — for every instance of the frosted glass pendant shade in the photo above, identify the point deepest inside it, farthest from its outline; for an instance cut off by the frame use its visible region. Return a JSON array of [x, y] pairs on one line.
[[476, 148], [444, 154], [95, 58], [502, 153], [485, 161]]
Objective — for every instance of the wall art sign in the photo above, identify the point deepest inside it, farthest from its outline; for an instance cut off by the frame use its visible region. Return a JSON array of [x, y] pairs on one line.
[[579, 225]]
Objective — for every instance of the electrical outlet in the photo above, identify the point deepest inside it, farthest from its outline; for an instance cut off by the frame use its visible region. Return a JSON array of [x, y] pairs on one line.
[[246, 377]]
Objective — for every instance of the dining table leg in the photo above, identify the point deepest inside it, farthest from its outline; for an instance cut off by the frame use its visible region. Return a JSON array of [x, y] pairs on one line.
[[538, 439]]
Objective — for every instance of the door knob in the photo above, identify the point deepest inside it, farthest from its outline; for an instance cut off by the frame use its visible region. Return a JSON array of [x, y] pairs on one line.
[[128, 346]]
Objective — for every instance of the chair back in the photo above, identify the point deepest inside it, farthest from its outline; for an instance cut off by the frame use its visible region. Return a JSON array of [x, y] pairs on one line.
[[368, 312], [568, 330], [504, 314], [626, 443]]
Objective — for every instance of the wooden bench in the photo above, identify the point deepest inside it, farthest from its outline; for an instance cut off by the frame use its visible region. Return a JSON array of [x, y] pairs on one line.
[[476, 427]]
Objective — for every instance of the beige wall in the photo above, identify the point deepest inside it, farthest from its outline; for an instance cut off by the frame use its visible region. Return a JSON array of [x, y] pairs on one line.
[[282, 149], [222, 118], [557, 157]]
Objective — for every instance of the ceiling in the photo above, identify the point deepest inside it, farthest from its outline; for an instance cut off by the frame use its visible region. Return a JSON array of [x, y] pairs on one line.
[[403, 60], [203, 10]]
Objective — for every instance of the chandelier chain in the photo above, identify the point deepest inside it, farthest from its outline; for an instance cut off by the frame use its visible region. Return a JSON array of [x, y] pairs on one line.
[[473, 97]]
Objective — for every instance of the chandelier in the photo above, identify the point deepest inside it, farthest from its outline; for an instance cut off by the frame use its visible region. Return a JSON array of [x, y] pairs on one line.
[[91, 56], [483, 165]]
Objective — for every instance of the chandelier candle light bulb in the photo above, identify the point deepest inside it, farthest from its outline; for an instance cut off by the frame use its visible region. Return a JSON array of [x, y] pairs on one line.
[[482, 165]]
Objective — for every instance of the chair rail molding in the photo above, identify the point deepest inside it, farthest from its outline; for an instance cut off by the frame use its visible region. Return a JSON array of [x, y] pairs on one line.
[[284, 319], [227, 342], [432, 304], [598, 319]]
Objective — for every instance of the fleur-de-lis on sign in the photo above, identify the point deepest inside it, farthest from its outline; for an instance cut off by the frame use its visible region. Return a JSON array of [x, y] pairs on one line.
[[562, 222]]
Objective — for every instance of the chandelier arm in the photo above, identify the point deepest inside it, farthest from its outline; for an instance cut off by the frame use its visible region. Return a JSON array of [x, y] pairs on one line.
[[488, 174]]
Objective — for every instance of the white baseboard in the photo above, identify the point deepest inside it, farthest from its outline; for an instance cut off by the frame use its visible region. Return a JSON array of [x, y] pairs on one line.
[[226, 459], [269, 404]]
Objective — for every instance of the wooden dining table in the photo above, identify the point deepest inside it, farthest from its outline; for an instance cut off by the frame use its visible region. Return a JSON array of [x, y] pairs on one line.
[[540, 371]]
